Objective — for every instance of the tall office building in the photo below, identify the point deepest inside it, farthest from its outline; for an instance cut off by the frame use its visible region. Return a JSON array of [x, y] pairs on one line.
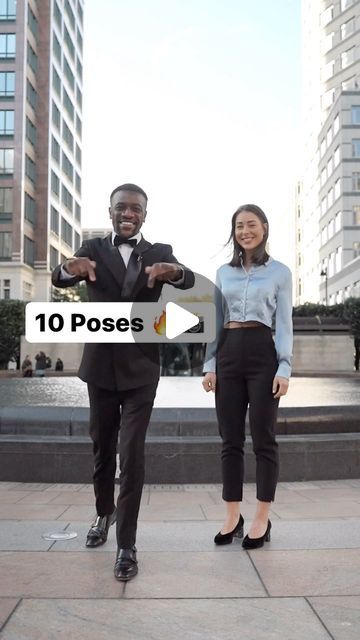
[[328, 194], [40, 141]]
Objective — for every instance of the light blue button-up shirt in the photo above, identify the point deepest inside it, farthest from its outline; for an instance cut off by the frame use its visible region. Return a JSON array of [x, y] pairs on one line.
[[259, 294]]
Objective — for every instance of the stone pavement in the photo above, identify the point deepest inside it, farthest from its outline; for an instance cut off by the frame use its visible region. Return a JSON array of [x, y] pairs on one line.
[[303, 585]]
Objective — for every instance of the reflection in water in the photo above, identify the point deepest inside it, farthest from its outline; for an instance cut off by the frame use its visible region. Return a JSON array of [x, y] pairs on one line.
[[71, 391]]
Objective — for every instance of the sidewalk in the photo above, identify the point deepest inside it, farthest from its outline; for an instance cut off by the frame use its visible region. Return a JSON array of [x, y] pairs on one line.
[[304, 584]]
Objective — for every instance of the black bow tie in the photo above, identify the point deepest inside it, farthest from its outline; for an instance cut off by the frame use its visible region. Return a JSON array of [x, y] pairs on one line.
[[118, 240]]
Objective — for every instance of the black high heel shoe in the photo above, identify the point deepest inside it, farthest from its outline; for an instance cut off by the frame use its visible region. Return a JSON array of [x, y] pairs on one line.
[[256, 543], [227, 538]]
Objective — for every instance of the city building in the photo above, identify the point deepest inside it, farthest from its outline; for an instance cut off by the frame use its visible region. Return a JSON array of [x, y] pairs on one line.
[[328, 195], [88, 234], [41, 45]]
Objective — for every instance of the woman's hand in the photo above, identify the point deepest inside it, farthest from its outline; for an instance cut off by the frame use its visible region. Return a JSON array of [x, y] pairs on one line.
[[280, 386], [209, 381]]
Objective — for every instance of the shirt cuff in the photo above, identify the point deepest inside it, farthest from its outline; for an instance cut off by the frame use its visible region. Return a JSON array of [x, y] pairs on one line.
[[64, 275], [181, 279]]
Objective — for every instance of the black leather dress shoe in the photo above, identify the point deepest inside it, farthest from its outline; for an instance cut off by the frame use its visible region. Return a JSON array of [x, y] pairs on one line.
[[126, 566], [98, 531]]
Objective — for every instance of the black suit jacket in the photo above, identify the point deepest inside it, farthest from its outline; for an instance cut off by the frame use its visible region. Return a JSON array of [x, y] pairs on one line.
[[121, 366]]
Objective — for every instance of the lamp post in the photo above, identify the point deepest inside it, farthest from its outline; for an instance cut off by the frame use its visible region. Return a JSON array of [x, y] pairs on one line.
[[324, 273]]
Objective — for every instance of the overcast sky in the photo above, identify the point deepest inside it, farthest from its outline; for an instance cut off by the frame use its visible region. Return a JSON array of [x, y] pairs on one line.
[[198, 102]]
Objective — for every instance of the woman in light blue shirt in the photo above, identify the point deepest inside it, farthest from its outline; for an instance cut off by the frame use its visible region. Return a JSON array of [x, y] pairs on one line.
[[247, 368]]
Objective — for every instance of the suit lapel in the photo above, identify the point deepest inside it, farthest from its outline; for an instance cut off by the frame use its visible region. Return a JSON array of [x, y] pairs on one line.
[[134, 268], [113, 260]]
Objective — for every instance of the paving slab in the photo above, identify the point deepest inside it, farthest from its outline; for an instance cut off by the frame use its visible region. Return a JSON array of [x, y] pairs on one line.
[[26, 536], [211, 619], [341, 615], [172, 575], [7, 606], [31, 512], [309, 573], [315, 510]]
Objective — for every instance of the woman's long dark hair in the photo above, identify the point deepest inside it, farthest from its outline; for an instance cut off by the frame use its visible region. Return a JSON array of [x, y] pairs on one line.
[[260, 255]]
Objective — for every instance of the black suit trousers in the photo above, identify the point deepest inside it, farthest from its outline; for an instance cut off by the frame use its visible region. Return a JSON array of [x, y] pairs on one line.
[[246, 366], [127, 411]]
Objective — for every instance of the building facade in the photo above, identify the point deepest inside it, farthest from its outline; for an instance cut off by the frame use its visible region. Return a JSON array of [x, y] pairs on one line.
[[41, 45], [328, 212]]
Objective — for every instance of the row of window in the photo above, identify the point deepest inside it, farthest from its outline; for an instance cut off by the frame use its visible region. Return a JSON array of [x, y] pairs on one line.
[[57, 49], [68, 235], [67, 103], [60, 226], [5, 289], [67, 199], [62, 27], [66, 132], [7, 9], [334, 128], [331, 228], [332, 195], [6, 209], [328, 14]]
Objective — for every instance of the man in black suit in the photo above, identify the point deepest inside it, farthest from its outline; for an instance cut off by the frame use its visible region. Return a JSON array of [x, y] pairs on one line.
[[123, 267]]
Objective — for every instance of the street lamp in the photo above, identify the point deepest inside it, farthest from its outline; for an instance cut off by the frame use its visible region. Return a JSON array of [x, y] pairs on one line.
[[324, 272]]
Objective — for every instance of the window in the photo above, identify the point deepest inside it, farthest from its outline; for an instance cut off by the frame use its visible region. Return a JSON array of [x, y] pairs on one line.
[[78, 211], [32, 22], [67, 167], [348, 84], [322, 147], [338, 221], [56, 48], [355, 146], [78, 125], [6, 290], [54, 220], [6, 122], [69, 74], [80, 12], [79, 68], [77, 183], [329, 167], [327, 98], [55, 149], [5, 245], [56, 82], [78, 154], [30, 168], [55, 183], [328, 70], [6, 161], [56, 117], [323, 205], [323, 177], [329, 136], [79, 40], [327, 42], [7, 84], [69, 43], [345, 4], [7, 9], [337, 189], [336, 156], [68, 104], [57, 15], [78, 97], [330, 197], [30, 209], [70, 13], [324, 235], [31, 94], [355, 114], [76, 240], [30, 131], [54, 257], [338, 255], [356, 214], [331, 228], [32, 58], [68, 136], [29, 251], [356, 181], [327, 16], [356, 249], [336, 124], [7, 45], [347, 28], [6, 204], [67, 199], [66, 232], [347, 57]]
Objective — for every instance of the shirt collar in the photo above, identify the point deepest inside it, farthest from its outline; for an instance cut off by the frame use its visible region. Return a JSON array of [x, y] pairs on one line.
[[255, 266], [136, 237]]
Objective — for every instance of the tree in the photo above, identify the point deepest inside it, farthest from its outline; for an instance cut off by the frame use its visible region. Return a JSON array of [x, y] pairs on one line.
[[77, 293], [12, 326], [352, 315]]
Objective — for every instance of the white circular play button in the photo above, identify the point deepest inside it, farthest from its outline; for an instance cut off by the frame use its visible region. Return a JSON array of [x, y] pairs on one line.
[[178, 320]]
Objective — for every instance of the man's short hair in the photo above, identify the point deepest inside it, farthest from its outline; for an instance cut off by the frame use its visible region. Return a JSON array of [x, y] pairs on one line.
[[129, 187]]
